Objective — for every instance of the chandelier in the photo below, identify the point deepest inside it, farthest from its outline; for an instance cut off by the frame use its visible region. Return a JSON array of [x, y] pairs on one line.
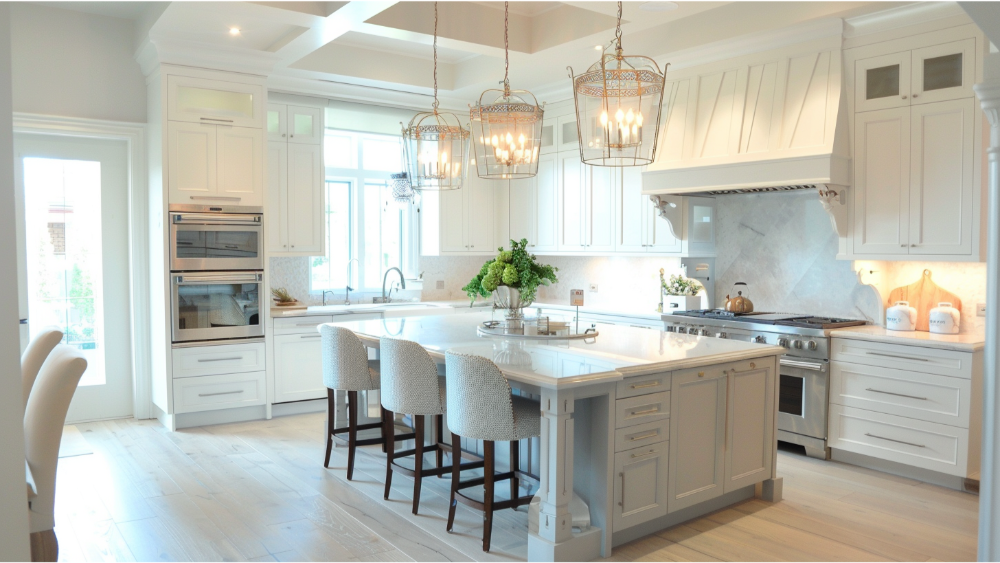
[[618, 102], [507, 132], [435, 145]]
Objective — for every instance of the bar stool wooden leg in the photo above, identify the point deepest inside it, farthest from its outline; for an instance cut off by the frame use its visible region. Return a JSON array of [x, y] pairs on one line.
[[456, 458], [388, 432], [330, 413], [488, 451], [352, 423], [439, 439], [418, 459], [515, 466]]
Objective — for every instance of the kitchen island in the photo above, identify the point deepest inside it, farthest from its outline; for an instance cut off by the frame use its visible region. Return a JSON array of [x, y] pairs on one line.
[[648, 428]]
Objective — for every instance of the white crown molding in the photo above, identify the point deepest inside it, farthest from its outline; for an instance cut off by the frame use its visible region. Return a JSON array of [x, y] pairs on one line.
[[154, 52], [903, 16], [360, 93]]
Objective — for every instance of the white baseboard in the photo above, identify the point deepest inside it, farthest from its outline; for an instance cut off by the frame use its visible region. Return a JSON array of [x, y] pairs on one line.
[[900, 469]]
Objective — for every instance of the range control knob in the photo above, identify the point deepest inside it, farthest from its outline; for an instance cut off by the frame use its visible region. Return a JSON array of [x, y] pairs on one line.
[[812, 345], [759, 339], [703, 332], [797, 344], [783, 342], [721, 335]]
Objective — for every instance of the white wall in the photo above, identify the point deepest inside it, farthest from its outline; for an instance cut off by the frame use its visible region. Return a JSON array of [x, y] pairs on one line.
[[75, 64], [13, 502]]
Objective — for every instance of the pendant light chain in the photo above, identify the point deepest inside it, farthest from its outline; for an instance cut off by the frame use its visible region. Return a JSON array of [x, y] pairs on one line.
[[436, 54], [506, 53], [618, 31]]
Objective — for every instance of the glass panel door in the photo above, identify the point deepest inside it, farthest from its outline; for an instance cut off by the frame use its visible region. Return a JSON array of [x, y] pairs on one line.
[[882, 82], [944, 72], [74, 275]]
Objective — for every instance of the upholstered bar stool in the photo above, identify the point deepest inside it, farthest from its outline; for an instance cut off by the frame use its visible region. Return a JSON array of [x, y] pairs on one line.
[[346, 367], [481, 406], [411, 385]]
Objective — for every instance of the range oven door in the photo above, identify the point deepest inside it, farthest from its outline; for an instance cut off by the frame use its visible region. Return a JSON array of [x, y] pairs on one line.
[[216, 305], [216, 241], [803, 397]]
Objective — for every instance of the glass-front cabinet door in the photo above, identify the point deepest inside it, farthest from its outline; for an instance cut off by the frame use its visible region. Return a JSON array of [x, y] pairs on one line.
[[215, 101], [944, 72], [305, 125], [882, 82]]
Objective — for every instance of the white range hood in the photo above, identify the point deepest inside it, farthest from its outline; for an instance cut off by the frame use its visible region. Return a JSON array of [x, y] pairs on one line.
[[769, 122]]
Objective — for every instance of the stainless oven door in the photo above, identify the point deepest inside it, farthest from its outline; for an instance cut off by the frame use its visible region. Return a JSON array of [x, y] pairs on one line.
[[803, 396], [216, 305], [216, 241]]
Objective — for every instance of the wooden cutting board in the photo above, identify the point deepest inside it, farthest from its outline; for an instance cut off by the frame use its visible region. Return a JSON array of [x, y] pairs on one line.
[[923, 296]]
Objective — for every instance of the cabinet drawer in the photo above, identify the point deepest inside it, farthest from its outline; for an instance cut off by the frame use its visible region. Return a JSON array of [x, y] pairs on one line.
[[642, 435], [300, 325], [909, 358], [216, 360], [640, 484], [644, 408], [643, 385], [903, 440], [212, 392], [934, 398]]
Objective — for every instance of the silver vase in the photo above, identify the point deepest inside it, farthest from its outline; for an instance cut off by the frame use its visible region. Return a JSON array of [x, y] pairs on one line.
[[509, 299]]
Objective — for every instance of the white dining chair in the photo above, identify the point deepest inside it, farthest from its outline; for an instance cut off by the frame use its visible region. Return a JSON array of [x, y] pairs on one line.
[[34, 356], [44, 418]]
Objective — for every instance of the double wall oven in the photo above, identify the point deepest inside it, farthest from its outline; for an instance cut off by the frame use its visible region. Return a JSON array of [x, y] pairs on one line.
[[804, 383], [216, 272]]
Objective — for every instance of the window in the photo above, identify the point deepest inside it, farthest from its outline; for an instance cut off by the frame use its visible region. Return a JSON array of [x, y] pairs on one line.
[[363, 222]]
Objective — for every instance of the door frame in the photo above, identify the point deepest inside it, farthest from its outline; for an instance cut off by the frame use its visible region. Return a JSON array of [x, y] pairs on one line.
[[134, 136]]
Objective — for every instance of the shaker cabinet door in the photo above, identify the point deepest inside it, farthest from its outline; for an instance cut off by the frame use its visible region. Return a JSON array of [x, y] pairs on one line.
[[306, 211], [547, 204], [240, 164], [298, 368], [191, 173], [276, 221], [640, 485], [882, 182], [750, 434], [697, 436]]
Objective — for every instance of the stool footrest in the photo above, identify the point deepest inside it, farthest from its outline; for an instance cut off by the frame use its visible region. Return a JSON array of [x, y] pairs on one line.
[[497, 505]]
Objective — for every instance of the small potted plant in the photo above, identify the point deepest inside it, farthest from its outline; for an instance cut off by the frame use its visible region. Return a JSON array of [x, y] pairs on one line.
[[282, 298], [679, 293], [512, 278]]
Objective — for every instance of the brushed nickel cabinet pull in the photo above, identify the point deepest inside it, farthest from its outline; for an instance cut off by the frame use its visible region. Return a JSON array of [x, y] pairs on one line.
[[645, 385], [310, 336], [895, 356], [216, 119], [222, 393], [647, 411], [216, 198], [649, 453], [893, 440], [202, 360], [622, 475], [644, 436], [896, 394]]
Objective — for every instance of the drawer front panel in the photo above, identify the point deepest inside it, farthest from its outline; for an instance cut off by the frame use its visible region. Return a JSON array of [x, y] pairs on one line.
[[644, 408], [300, 325], [642, 435], [213, 392], [934, 398], [643, 385], [894, 438], [217, 360], [909, 358]]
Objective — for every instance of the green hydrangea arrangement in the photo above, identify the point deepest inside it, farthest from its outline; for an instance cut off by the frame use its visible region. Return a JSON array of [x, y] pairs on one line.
[[515, 268], [679, 285]]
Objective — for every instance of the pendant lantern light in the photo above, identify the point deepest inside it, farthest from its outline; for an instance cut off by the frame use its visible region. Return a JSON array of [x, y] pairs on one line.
[[618, 102], [507, 132], [435, 145]]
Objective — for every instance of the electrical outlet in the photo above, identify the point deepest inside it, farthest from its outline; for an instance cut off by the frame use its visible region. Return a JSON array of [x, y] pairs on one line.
[[593, 288], [439, 284], [980, 309]]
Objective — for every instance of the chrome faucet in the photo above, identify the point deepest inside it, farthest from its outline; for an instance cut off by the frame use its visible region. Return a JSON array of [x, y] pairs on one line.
[[348, 289], [385, 278], [330, 291]]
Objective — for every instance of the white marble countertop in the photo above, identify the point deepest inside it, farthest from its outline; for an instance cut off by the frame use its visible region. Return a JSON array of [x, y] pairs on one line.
[[969, 342], [354, 308], [617, 352], [647, 315]]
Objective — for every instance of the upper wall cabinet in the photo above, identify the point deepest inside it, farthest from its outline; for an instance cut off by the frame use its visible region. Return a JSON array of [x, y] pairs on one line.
[[200, 100], [295, 124], [295, 187], [457, 222], [924, 75], [215, 164]]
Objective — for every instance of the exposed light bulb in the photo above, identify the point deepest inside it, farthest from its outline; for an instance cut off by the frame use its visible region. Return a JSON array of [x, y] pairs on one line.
[[629, 117], [619, 115], [604, 119]]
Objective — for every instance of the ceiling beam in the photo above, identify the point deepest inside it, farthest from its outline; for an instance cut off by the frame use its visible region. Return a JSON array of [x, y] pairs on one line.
[[325, 30]]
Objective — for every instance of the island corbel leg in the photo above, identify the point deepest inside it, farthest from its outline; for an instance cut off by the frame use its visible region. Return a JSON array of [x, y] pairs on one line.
[[771, 489], [555, 540]]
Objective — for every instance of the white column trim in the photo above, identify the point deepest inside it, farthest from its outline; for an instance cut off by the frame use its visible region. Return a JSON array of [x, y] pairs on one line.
[[134, 135]]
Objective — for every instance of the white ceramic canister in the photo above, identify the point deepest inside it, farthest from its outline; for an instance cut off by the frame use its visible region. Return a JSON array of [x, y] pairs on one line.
[[944, 319], [901, 316]]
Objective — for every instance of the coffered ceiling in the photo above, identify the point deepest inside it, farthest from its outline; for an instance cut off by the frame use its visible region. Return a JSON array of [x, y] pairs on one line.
[[343, 49]]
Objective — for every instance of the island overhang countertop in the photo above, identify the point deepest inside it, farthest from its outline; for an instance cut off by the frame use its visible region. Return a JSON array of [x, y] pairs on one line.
[[616, 353]]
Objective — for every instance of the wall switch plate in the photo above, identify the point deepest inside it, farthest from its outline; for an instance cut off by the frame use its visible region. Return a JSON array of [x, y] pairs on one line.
[[593, 288], [980, 309], [439, 284]]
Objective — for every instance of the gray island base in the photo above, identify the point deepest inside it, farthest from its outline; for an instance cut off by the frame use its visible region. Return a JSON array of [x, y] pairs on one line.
[[648, 428]]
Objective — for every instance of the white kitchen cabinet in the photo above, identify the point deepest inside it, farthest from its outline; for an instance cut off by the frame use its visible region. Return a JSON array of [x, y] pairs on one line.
[[200, 100], [914, 178], [640, 484], [298, 366], [215, 164], [586, 205], [460, 221], [928, 74], [697, 436], [240, 164], [638, 227], [296, 183], [600, 219], [882, 82], [547, 204], [295, 124], [572, 202], [749, 459], [568, 134], [523, 211]]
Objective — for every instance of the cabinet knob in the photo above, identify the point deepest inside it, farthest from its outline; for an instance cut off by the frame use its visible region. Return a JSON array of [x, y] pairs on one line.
[[915, 95], [290, 136], [903, 245], [701, 374], [293, 246], [913, 245], [284, 134], [904, 97]]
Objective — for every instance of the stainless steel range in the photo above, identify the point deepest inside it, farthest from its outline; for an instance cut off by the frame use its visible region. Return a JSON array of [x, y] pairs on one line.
[[805, 368]]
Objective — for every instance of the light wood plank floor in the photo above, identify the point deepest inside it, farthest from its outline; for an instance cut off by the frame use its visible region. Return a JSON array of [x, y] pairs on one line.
[[257, 491]]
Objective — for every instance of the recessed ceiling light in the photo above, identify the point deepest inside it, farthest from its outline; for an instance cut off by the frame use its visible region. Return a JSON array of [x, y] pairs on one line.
[[234, 31], [598, 47], [658, 6]]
